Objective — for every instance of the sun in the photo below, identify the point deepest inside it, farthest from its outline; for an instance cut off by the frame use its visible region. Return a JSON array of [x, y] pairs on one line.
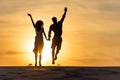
[[46, 53]]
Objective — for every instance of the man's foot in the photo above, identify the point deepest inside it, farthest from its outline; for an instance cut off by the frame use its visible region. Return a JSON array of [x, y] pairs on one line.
[[55, 57], [53, 62]]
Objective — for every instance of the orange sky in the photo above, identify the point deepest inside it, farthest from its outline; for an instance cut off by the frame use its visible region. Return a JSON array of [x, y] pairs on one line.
[[91, 32]]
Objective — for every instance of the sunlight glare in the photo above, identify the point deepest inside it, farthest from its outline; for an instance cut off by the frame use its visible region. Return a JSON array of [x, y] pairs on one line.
[[46, 53]]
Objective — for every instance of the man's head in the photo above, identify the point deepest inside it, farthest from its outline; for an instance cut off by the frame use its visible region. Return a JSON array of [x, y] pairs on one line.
[[54, 19]]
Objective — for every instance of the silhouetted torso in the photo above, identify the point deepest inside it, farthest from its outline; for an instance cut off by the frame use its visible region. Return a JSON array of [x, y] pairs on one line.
[[39, 36], [57, 29]]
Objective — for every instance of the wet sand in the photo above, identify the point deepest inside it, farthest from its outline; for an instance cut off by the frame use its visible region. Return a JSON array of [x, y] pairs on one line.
[[59, 73]]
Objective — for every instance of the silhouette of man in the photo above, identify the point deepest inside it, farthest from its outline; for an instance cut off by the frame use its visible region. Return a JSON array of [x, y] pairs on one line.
[[56, 27]]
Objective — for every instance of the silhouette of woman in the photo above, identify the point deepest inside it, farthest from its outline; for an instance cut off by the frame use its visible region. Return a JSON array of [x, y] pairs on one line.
[[38, 45]]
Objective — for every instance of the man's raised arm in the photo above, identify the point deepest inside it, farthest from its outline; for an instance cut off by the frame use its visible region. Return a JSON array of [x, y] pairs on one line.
[[31, 19], [63, 17]]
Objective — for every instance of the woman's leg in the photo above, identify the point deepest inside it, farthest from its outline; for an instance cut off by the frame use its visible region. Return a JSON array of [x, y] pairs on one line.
[[35, 50], [40, 56], [35, 59], [36, 55]]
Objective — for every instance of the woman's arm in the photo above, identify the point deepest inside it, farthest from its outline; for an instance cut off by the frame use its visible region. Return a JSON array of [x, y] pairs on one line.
[[31, 19], [44, 34]]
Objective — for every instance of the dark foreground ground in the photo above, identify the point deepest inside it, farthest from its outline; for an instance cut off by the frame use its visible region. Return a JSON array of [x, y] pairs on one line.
[[60, 73]]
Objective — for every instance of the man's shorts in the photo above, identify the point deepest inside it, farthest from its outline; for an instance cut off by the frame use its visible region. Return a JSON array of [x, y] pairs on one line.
[[56, 42]]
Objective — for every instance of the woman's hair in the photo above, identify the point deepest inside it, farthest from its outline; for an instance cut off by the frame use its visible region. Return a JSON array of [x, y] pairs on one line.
[[39, 24]]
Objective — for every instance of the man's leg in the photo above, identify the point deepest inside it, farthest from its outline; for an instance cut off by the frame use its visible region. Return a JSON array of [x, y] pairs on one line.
[[57, 51], [53, 53], [53, 49], [58, 47]]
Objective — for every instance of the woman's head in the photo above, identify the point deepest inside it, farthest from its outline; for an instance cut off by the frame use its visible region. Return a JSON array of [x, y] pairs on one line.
[[39, 24]]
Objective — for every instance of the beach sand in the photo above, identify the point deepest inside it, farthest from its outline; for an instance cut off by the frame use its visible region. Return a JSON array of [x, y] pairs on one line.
[[59, 73]]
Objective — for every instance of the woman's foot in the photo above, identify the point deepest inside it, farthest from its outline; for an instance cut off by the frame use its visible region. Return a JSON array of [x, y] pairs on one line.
[[40, 65], [35, 65]]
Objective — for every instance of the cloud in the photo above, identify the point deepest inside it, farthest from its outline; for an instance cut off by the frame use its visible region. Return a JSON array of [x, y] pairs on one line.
[[3, 21], [90, 60], [111, 6], [101, 9], [13, 52], [1, 53], [12, 6]]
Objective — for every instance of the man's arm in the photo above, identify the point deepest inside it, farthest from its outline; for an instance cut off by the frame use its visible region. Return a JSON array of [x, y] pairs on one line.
[[31, 19], [49, 33], [63, 17]]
